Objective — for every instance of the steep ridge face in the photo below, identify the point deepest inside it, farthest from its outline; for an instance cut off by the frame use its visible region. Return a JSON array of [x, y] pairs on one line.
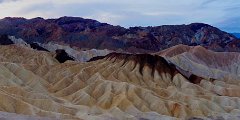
[[203, 62], [81, 55], [117, 86], [91, 34], [18, 41]]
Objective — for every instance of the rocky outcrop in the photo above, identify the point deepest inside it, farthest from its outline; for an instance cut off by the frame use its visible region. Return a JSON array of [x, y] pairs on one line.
[[91, 34], [37, 47], [18, 41], [62, 56], [81, 55], [4, 40]]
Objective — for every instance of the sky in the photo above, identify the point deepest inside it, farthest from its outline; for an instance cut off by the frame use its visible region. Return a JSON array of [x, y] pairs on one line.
[[224, 14]]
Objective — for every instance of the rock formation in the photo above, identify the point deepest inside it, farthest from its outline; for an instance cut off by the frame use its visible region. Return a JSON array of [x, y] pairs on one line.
[[4, 40], [115, 87], [75, 68], [203, 62], [81, 55], [37, 47], [62, 56]]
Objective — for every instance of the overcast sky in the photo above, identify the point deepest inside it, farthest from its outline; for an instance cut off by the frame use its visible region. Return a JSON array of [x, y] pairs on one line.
[[224, 14]]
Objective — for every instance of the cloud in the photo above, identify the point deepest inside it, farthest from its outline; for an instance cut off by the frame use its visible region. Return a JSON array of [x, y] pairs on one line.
[[207, 2], [230, 24], [130, 12], [1, 1], [107, 17]]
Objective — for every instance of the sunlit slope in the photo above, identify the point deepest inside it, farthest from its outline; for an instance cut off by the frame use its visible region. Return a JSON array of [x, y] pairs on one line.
[[25, 55], [119, 86], [203, 62]]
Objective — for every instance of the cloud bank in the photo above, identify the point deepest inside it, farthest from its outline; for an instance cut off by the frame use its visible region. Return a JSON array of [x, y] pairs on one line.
[[220, 13]]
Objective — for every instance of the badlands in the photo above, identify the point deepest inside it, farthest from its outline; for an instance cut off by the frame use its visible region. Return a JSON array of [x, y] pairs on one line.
[[178, 83]]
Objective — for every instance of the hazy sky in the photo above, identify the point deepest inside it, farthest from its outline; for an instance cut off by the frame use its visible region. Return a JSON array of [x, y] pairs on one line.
[[224, 14]]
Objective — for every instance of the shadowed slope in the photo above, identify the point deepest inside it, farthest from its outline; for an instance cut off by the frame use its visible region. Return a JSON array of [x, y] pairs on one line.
[[4, 40], [62, 56], [38, 47]]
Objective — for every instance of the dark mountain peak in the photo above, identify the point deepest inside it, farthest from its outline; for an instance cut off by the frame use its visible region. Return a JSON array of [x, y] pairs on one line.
[[200, 25], [197, 26], [37, 19], [70, 20], [14, 18], [87, 33]]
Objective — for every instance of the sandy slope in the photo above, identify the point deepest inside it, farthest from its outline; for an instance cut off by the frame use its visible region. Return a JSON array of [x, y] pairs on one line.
[[203, 62], [120, 86]]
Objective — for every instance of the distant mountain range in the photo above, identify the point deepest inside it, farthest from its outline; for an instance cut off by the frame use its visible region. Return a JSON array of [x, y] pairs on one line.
[[236, 34], [87, 33]]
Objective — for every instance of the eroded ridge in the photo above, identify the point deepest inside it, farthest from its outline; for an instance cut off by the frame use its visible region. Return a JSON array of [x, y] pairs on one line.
[[118, 86]]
